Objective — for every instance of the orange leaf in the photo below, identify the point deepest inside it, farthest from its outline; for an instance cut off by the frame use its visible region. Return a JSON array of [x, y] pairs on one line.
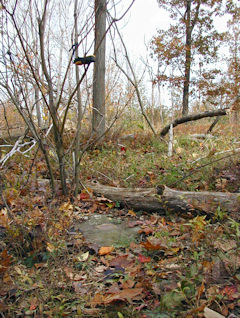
[[231, 292], [33, 304], [106, 250], [144, 259], [84, 195], [201, 290], [150, 246]]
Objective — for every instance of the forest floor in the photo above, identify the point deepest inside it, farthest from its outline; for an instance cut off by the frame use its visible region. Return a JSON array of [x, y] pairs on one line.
[[176, 266]]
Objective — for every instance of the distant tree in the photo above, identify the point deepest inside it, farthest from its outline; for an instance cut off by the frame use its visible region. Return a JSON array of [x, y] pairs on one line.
[[233, 78], [191, 34], [233, 41]]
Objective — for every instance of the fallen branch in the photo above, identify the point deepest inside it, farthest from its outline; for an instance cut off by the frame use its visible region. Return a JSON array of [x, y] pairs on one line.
[[185, 119], [213, 113], [163, 199]]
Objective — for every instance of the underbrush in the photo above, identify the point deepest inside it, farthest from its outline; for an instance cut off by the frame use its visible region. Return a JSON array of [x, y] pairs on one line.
[[180, 264]]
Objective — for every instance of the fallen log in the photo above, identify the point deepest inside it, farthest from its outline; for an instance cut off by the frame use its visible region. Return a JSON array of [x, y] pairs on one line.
[[163, 199]]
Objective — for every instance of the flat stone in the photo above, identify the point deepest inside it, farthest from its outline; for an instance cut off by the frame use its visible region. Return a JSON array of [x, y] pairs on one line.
[[105, 230]]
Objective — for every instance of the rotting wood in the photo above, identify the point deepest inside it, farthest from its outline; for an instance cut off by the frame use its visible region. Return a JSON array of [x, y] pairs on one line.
[[163, 199]]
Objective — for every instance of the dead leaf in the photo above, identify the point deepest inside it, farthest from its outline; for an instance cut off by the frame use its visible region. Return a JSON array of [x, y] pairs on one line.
[[146, 230], [153, 244], [136, 248], [230, 292], [209, 313], [106, 250], [84, 195], [100, 268], [120, 261], [201, 290], [66, 207], [79, 288], [114, 288], [226, 245], [132, 213], [83, 257], [5, 261], [34, 303], [127, 294], [144, 259]]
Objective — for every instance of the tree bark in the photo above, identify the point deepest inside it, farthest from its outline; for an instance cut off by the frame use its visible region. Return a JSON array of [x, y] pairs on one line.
[[163, 199], [190, 24], [187, 59], [98, 114], [185, 119], [79, 108], [53, 111]]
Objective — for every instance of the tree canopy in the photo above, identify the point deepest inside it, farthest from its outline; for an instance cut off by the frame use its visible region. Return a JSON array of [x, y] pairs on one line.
[[191, 38]]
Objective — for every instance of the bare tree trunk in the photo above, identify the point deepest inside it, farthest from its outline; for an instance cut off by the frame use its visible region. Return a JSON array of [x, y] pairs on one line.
[[187, 60], [52, 108], [38, 108], [98, 115], [79, 109]]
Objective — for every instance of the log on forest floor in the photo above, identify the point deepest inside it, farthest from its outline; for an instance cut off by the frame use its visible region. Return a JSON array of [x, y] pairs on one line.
[[163, 199]]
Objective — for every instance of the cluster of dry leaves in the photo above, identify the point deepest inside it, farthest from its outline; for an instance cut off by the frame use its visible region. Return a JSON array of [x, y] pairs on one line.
[[179, 265]]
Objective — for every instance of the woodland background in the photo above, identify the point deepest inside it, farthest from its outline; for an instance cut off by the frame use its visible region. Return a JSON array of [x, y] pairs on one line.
[[63, 125]]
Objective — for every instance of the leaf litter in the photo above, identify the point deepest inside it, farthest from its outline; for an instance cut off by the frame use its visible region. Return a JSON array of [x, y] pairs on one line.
[[176, 266]]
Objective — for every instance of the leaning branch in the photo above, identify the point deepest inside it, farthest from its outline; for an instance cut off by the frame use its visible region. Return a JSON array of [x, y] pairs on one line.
[[185, 119], [211, 113]]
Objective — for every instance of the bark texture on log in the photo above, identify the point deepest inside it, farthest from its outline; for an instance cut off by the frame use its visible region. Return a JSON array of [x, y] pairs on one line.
[[163, 199]]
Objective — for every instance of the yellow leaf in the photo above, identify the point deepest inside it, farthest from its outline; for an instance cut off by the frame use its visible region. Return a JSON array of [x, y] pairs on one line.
[[18, 270], [66, 207], [50, 247], [132, 213], [83, 257]]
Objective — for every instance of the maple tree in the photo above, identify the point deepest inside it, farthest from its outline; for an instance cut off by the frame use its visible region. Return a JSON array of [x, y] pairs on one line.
[[191, 35]]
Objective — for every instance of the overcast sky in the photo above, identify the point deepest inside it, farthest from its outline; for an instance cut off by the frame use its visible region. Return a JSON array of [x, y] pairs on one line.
[[141, 24]]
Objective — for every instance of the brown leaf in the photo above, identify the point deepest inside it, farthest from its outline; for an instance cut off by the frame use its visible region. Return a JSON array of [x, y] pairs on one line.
[[126, 294], [154, 244], [114, 288], [79, 288], [120, 261], [5, 261], [146, 230]]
